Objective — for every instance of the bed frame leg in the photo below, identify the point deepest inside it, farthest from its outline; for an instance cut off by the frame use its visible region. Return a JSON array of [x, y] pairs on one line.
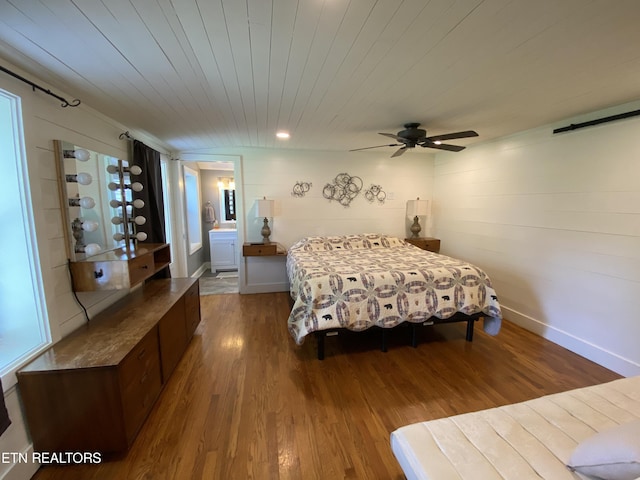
[[320, 343], [414, 335], [384, 340], [470, 330]]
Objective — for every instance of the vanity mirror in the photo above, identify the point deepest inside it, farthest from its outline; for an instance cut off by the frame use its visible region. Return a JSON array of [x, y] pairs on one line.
[[100, 219]]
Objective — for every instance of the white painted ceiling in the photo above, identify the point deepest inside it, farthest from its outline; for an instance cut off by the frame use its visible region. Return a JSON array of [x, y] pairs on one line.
[[220, 73]]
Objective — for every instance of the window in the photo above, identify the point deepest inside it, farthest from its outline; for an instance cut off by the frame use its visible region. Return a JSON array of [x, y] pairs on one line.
[[23, 323], [192, 203]]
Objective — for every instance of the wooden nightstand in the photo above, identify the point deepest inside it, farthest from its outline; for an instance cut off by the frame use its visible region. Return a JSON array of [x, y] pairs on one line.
[[426, 243], [263, 249]]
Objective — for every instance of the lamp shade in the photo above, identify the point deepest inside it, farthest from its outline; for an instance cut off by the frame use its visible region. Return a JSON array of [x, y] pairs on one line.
[[264, 208], [416, 208]]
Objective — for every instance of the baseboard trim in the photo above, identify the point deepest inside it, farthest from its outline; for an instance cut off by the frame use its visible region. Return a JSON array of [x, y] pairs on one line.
[[203, 268], [23, 470], [592, 352]]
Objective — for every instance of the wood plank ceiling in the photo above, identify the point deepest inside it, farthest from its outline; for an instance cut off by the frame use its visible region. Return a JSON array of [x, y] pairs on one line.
[[222, 73]]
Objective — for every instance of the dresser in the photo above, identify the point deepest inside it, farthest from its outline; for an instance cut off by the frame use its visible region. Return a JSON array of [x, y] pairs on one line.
[[93, 390]]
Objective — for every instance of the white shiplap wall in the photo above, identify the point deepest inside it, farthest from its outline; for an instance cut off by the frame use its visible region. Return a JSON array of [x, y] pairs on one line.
[[44, 120], [555, 220], [272, 173]]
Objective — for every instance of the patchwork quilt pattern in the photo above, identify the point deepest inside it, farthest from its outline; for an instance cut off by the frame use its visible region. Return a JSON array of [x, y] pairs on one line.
[[360, 281]]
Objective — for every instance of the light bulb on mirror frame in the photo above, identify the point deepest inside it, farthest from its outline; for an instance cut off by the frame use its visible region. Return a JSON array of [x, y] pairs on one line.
[[84, 202], [133, 170], [118, 237], [79, 154], [89, 249], [89, 225], [117, 220], [136, 187], [82, 178], [140, 220], [92, 249], [137, 203], [141, 236]]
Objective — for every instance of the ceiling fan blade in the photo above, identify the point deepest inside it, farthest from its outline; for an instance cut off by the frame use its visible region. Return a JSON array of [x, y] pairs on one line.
[[452, 136], [399, 152], [377, 146], [443, 146], [391, 135]]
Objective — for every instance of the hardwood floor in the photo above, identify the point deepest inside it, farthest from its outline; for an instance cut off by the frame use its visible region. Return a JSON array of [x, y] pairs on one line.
[[246, 403]]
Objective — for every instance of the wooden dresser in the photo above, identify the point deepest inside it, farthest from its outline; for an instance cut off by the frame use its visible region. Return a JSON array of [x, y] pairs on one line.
[[93, 390]]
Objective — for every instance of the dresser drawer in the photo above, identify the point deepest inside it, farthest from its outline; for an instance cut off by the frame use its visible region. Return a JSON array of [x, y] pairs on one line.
[[140, 382], [138, 361], [141, 268], [259, 249]]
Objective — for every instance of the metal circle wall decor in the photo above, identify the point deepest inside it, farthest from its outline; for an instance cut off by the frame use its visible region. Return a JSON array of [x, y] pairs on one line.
[[300, 189], [343, 189], [375, 192]]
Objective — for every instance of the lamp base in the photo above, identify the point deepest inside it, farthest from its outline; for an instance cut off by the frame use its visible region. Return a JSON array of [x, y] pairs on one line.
[[415, 228], [265, 232]]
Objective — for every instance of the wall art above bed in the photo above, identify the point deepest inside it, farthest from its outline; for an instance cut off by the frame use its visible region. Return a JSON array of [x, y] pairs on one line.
[[300, 189], [343, 189]]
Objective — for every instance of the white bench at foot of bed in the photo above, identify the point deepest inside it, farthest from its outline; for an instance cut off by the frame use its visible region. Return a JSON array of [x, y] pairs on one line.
[[529, 440]]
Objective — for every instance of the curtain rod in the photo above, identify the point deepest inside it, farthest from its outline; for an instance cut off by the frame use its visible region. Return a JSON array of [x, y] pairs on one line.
[[126, 135], [34, 86], [575, 126]]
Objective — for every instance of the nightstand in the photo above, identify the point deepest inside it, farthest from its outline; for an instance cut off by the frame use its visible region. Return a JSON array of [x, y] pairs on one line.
[[426, 243], [263, 249], [265, 268]]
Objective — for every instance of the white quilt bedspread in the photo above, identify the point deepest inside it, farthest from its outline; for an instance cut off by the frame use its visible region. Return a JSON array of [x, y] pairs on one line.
[[358, 281], [528, 440]]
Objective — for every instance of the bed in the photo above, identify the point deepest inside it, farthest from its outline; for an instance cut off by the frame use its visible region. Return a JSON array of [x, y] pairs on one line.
[[356, 282], [586, 433]]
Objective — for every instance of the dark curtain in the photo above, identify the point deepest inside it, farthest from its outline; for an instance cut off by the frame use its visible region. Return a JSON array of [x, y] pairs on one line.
[[151, 177], [4, 414]]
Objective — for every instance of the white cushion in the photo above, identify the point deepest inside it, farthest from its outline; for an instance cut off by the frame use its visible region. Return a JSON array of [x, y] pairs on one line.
[[613, 454]]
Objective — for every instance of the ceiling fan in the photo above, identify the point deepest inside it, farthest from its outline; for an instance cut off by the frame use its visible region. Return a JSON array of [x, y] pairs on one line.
[[413, 136]]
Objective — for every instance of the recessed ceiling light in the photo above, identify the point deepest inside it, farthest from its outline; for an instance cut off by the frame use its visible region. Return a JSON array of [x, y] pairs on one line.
[[283, 134]]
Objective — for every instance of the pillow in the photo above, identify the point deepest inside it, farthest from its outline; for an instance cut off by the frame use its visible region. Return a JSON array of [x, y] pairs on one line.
[[613, 454]]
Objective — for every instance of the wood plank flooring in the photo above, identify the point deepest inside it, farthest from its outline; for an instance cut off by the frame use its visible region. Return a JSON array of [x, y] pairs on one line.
[[246, 403]]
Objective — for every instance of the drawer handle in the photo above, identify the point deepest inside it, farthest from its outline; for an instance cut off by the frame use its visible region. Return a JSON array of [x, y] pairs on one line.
[[144, 267]]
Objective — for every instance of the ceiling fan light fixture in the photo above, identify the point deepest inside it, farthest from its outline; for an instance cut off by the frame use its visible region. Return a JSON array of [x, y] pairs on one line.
[[437, 142]]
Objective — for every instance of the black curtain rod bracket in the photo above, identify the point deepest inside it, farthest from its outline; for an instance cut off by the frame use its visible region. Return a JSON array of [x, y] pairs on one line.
[[126, 135], [590, 123], [35, 86]]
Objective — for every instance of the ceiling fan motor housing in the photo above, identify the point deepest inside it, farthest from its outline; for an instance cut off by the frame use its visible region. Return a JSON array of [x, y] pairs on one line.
[[412, 133]]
